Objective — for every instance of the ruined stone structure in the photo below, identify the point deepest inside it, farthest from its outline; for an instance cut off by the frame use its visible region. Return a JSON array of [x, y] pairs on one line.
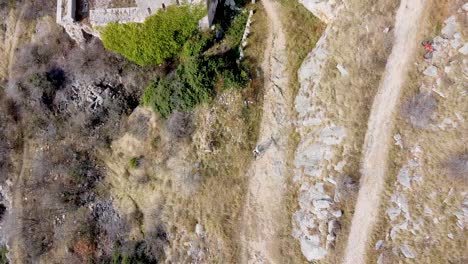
[[67, 15], [144, 8], [66, 11]]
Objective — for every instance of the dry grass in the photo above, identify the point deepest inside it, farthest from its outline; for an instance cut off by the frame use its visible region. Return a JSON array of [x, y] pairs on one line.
[[442, 160], [346, 100], [302, 32], [256, 44], [182, 181]]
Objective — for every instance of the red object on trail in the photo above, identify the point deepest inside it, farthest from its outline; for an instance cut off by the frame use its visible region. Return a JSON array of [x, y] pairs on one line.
[[428, 46]]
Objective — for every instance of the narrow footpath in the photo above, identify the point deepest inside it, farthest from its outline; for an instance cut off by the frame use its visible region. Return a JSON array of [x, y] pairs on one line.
[[264, 204], [378, 135]]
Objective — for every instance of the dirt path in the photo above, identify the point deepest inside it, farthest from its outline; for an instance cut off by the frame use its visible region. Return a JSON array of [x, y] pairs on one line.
[[16, 240], [10, 43], [379, 130], [260, 223]]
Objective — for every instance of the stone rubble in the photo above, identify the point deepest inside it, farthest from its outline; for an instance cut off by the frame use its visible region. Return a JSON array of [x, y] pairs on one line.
[[316, 223], [431, 71]]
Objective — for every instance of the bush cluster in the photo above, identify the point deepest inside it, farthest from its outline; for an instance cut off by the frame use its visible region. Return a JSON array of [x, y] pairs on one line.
[[197, 78], [173, 34], [159, 38]]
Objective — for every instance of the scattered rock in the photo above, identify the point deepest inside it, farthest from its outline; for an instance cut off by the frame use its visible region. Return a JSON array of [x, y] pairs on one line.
[[401, 201], [427, 210], [464, 50], [379, 245], [393, 213], [333, 227], [339, 166], [199, 230], [404, 177], [397, 228], [386, 30], [337, 213], [311, 248], [407, 251], [450, 28], [321, 204], [380, 259], [325, 10], [398, 140], [342, 70], [465, 7], [431, 71]]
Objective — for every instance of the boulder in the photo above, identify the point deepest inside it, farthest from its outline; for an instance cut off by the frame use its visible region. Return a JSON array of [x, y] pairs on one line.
[[464, 50], [407, 251], [199, 230], [404, 177], [311, 248], [379, 245], [321, 204], [465, 7], [342, 70], [393, 213], [324, 9], [451, 26], [431, 71]]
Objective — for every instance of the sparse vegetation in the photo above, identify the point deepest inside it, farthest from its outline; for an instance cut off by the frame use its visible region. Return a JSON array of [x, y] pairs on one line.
[[3, 253], [133, 163], [159, 38], [457, 168], [180, 124], [418, 109]]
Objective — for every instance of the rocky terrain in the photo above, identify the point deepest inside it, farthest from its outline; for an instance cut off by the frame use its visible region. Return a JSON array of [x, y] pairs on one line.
[[427, 193], [351, 150]]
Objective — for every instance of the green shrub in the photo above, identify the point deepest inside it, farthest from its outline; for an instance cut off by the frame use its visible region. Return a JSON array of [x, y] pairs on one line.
[[3, 255], [133, 163], [236, 30], [198, 74], [157, 95], [160, 37]]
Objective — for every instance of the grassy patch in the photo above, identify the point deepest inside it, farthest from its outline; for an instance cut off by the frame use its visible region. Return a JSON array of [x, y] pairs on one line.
[[303, 31], [159, 38]]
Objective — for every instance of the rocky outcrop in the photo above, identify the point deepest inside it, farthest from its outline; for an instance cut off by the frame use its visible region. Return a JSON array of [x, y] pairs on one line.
[[326, 10], [316, 223]]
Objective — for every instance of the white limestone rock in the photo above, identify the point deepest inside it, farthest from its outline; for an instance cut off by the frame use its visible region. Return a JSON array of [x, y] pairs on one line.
[[393, 213], [431, 71], [379, 245], [398, 140], [465, 7], [404, 177], [342, 70], [199, 230], [326, 10], [407, 251], [311, 248], [464, 50], [451, 27]]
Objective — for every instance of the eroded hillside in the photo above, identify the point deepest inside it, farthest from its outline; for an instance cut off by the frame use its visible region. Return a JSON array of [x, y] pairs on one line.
[[275, 131]]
